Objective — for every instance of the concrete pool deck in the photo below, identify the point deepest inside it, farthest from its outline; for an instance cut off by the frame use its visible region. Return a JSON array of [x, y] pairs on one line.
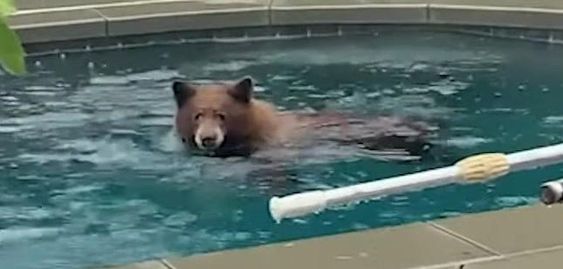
[[519, 238], [41, 21]]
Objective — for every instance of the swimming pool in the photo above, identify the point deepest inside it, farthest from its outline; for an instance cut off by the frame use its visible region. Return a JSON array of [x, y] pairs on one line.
[[89, 174]]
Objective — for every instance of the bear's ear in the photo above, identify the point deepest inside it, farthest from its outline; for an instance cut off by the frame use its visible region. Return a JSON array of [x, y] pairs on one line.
[[242, 90], [182, 92]]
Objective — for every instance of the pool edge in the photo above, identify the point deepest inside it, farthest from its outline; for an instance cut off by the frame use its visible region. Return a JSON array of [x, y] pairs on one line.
[[121, 19], [476, 240]]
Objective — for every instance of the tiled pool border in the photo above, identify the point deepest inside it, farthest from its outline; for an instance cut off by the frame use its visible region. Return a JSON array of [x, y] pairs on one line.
[[518, 238], [146, 21]]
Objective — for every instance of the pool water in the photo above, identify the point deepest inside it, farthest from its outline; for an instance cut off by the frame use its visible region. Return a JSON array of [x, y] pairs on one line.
[[90, 176]]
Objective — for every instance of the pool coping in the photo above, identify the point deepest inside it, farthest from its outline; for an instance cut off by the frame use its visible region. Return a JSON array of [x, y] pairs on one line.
[[487, 240], [62, 22]]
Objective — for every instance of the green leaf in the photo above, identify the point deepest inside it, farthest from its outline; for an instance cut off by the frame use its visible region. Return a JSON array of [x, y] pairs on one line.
[[11, 51], [6, 7]]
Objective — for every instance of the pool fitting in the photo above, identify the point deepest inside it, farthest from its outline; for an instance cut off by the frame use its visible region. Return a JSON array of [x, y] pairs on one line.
[[552, 192]]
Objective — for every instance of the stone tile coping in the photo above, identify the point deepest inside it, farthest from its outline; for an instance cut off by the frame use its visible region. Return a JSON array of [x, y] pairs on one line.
[[41, 21], [516, 238], [545, 259]]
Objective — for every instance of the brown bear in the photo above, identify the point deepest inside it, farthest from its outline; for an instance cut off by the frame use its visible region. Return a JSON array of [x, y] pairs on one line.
[[223, 119]]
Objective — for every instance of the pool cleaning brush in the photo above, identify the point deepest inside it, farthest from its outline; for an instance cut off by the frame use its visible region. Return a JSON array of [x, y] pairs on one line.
[[476, 168]]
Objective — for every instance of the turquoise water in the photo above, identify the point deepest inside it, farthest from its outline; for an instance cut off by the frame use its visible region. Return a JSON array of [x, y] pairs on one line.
[[90, 176]]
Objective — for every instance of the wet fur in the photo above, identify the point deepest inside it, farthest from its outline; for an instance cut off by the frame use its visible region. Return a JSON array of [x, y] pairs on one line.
[[253, 124]]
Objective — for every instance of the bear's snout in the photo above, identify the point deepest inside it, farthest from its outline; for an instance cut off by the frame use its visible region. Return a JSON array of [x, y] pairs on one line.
[[209, 141], [209, 138]]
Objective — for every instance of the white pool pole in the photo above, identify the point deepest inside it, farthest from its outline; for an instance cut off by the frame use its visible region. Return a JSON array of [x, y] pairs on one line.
[[476, 168]]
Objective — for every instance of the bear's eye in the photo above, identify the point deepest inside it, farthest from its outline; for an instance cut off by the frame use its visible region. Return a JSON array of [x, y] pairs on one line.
[[221, 116], [198, 116], [183, 140]]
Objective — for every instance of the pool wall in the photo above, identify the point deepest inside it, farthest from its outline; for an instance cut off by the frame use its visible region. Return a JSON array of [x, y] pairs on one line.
[[524, 237], [51, 24]]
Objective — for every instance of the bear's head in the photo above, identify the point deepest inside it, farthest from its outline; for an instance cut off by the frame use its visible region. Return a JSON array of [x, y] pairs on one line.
[[215, 119]]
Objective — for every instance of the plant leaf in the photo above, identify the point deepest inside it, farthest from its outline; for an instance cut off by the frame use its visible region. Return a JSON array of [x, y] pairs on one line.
[[6, 7], [11, 51]]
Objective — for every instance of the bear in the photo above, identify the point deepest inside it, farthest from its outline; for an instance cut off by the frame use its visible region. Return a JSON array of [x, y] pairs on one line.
[[224, 119]]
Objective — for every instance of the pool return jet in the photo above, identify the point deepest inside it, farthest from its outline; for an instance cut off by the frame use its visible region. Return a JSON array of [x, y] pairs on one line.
[[477, 168]]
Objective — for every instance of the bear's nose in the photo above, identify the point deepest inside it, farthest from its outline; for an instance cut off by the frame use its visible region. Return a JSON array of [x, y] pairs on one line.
[[209, 141]]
